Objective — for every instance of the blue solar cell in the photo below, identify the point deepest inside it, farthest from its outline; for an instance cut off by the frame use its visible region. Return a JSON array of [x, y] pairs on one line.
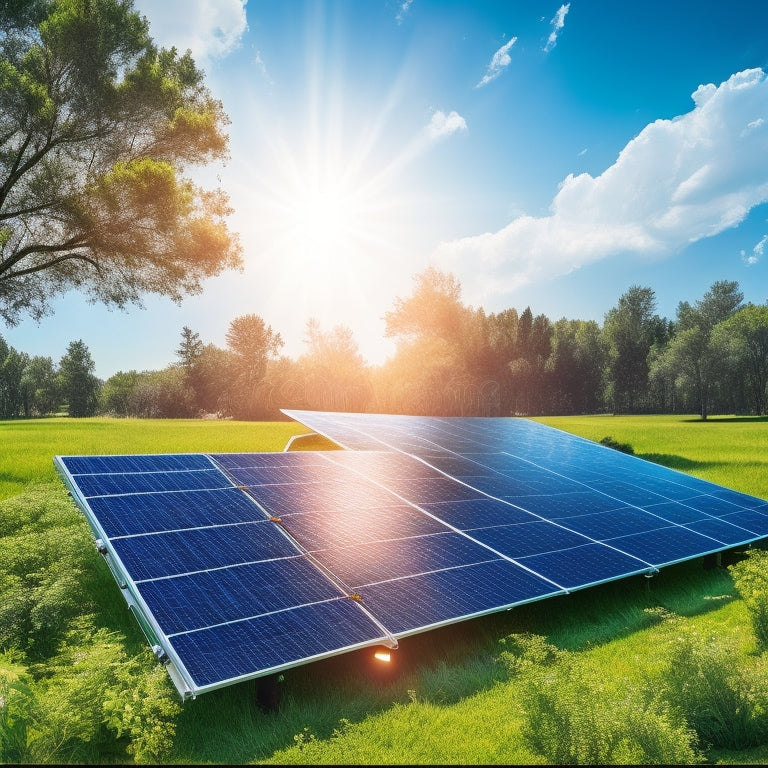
[[226, 653], [719, 529], [606, 525], [478, 513], [666, 545], [208, 598], [388, 560], [350, 527], [525, 539], [83, 465], [281, 500], [753, 520], [150, 556], [148, 512], [150, 482], [712, 505], [431, 599], [584, 566], [675, 512], [421, 490], [740, 499], [567, 504], [282, 459]]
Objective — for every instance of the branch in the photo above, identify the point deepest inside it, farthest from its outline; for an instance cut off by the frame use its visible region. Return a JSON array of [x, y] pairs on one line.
[[21, 254], [51, 263]]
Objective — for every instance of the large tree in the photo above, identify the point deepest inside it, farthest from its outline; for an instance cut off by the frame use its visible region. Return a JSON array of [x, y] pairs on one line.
[[690, 358], [79, 385], [629, 331], [252, 344], [742, 341], [97, 128]]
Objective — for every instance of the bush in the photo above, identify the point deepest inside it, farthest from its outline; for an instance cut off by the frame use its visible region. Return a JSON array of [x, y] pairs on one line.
[[616, 445], [750, 577], [571, 715], [723, 701]]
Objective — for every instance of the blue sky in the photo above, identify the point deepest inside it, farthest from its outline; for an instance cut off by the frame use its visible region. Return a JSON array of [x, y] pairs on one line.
[[548, 155]]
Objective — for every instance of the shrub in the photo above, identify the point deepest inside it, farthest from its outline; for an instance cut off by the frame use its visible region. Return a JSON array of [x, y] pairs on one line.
[[725, 703], [750, 577], [571, 715], [616, 445]]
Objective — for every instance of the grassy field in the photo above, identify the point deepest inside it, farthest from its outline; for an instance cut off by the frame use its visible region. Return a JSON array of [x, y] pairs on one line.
[[448, 698], [28, 446]]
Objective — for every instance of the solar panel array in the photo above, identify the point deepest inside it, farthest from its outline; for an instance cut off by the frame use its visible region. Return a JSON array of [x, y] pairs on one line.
[[241, 565]]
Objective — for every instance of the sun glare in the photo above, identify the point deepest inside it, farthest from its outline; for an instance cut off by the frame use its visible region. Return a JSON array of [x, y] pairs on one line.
[[322, 222]]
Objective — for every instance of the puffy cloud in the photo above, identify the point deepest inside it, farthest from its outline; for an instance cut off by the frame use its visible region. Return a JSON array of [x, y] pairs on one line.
[[558, 22], [499, 62], [209, 28], [677, 182], [444, 125]]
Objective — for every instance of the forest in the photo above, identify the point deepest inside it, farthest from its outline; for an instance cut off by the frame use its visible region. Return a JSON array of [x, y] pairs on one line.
[[450, 359]]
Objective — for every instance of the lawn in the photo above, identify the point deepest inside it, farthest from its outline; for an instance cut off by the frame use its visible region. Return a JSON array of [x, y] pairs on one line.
[[449, 697]]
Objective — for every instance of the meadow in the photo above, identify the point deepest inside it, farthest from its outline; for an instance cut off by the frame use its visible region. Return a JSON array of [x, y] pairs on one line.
[[602, 675]]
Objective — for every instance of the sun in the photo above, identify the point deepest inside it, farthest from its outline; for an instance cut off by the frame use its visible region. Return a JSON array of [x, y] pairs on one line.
[[322, 222]]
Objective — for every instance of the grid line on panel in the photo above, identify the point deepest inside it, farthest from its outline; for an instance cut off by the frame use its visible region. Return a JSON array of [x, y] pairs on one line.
[[242, 619]]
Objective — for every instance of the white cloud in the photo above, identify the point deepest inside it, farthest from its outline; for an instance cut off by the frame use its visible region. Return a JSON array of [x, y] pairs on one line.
[[500, 61], [404, 6], [558, 22], [757, 252], [444, 125], [209, 28], [677, 182]]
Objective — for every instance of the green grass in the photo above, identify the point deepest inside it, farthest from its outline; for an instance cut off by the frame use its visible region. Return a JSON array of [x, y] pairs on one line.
[[28, 446], [446, 698]]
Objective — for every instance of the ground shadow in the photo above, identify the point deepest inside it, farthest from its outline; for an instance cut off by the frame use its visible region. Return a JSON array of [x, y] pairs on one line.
[[726, 419], [673, 461]]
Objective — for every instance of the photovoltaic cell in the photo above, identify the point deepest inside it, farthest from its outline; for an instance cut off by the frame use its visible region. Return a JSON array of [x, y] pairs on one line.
[[238, 565]]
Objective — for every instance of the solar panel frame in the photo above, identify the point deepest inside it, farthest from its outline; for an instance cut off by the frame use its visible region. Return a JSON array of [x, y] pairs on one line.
[[422, 521]]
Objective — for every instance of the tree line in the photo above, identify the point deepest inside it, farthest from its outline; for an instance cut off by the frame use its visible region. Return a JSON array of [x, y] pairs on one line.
[[450, 359]]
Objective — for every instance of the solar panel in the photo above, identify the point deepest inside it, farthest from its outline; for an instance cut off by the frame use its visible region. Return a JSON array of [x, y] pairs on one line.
[[241, 565]]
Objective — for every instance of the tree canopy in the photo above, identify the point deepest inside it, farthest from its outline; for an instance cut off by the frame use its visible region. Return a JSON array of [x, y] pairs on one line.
[[97, 128]]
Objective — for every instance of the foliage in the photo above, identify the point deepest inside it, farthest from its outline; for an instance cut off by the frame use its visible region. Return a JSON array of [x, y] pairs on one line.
[[45, 562], [742, 342], [574, 716], [17, 708], [98, 128], [78, 383], [616, 445], [726, 704], [750, 576]]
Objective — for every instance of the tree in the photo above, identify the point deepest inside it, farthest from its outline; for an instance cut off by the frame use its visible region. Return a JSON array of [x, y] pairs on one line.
[[742, 340], [433, 311], [629, 331], [12, 366], [40, 387], [79, 385], [252, 343], [116, 395], [97, 128], [211, 379], [336, 376], [689, 357], [189, 349]]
